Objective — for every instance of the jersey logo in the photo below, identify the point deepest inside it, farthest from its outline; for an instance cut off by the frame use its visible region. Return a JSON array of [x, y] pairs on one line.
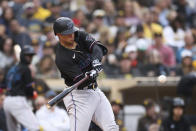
[[74, 56], [89, 38], [69, 25]]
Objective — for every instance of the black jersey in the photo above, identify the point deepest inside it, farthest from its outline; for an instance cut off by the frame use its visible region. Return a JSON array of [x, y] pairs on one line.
[[19, 81], [170, 125], [73, 64]]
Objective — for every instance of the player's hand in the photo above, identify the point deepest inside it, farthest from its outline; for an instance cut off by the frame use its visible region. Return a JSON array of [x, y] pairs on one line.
[[92, 74], [97, 65], [35, 95]]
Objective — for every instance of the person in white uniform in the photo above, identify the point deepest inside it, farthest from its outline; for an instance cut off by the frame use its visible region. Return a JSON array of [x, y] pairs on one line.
[[53, 119]]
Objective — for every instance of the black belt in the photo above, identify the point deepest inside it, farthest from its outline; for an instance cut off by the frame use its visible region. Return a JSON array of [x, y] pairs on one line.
[[91, 86]]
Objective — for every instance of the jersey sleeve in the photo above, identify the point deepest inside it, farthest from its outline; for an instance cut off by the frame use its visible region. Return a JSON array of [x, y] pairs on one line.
[[87, 40], [28, 82]]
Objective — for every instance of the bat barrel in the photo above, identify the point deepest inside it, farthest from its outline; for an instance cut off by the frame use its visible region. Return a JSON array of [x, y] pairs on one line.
[[65, 92], [56, 99]]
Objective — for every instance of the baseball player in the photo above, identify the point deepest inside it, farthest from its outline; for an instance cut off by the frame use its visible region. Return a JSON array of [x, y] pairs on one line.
[[77, 55], [19, 88], [176, 121]]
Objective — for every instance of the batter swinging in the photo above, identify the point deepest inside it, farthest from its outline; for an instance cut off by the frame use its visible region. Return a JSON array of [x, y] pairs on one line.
[[77, 55]]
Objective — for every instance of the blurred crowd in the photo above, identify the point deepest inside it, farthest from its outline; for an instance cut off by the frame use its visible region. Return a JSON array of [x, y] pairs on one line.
[[156, 119], [144, 38]]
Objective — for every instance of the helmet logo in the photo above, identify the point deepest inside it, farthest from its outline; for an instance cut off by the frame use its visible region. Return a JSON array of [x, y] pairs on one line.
[[69, 25]]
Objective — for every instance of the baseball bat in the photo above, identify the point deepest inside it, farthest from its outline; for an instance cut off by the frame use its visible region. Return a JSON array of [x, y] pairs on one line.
[[64, 93]]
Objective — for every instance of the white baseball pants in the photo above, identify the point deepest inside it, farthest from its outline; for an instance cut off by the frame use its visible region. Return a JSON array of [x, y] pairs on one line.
[[17, 112], [86, 105]]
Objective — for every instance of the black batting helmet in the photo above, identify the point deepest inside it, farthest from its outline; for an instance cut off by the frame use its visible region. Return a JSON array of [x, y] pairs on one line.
[[178, 102], [28, 50], [64, 26]]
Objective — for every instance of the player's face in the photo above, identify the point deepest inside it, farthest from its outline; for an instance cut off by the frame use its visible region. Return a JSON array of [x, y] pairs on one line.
[[151, 111], [66, 39], [178, 111], [29, 58]]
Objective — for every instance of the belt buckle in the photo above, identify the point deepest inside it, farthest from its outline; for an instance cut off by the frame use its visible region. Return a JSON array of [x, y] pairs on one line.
[[93, 86]]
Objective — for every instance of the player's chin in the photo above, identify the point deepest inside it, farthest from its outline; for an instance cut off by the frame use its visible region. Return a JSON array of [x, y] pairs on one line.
[[70, 43], [67, 43]]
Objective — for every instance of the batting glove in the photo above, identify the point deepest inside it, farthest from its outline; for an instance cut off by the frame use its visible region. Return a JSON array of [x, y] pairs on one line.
[[97, 65], [92, 74]]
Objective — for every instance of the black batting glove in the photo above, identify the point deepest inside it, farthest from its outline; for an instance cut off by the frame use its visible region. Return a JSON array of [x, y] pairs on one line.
[[97, 65], [92, 75]]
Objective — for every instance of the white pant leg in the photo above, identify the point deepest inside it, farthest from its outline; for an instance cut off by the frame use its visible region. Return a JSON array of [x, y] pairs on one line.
[[103, 115], [18, 108], [81, 105], [12, 124]]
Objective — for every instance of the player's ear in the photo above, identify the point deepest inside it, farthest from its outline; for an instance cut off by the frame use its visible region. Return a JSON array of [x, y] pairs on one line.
[[57, 36]]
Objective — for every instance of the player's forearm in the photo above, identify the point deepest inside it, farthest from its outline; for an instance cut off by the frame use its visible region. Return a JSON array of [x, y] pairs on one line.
[[97, 52]]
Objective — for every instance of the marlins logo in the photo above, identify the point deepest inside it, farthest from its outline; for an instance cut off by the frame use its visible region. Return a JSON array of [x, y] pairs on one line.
[[90, 38], [70, 25]]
